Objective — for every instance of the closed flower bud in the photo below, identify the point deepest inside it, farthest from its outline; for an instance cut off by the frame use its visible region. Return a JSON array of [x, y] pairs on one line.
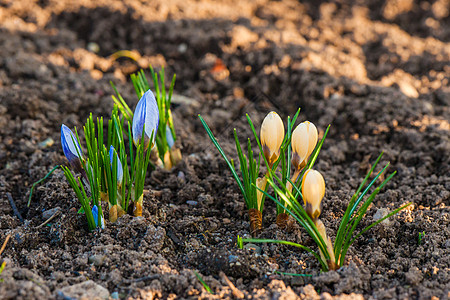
[[95, 214], [304, 140], [272, 135], [71, 148], [169, 137], [313, 190], [146, 113], [112, 151]]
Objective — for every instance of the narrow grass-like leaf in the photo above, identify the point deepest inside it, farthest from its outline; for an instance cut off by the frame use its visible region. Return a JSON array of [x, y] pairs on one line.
[[219, 148], [39, 181], [345, 219], [324, 265], [379, 221]]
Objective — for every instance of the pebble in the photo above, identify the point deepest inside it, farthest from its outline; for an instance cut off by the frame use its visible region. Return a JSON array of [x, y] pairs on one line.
[[93, 47], [47, 214], [232, 259], [46, 143], [18, 238], [85, 290], [381, 213], [181, 176], [182, 48], [252, 247], [96, 259]]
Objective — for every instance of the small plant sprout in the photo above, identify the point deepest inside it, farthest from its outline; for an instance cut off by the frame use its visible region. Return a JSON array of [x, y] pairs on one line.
[[105, 173], [112, 154], [249, 166], [272, 148], [312, 189], [114, 180], [165, 153], [145, 125], [72, 151], [421, 237]]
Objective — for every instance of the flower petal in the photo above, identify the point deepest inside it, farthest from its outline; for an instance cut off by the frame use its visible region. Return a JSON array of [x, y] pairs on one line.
[[119, 164], [272, 135], [71, 148], [146, 113]]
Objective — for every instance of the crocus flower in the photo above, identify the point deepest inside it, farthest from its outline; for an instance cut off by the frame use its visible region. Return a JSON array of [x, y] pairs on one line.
[[71, 148], [95, 214], [146, 113], [119, 165], [304, 140], [272, 135], [313, 190]]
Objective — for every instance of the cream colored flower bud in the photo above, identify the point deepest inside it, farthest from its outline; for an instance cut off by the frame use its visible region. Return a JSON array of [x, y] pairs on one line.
[[304, 140], [313, 190], [330, 249], [272, 135]]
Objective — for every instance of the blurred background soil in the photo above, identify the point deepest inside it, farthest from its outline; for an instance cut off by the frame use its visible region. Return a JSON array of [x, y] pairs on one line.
[[377, 71]]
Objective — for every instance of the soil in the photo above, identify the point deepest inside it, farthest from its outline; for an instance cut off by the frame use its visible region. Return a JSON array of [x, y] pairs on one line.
[[377, 71]]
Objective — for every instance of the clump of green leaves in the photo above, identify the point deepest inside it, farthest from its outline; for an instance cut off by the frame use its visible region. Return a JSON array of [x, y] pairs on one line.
[[252, 183], [310, 187], [105, 174], [295, 181], [165, 153]]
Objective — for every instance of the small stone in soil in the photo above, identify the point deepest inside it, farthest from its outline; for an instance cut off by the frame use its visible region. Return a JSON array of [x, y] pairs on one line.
[[49, 213], [181, 176], [381, 213], [253, 248], [232, 259], [96, 259], [88, 290], [48, 142]]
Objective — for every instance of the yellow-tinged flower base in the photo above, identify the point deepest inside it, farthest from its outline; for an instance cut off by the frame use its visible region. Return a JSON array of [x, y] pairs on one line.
[[255, 217], [330, 249], [115, 212], [260, 183], [137, 209]]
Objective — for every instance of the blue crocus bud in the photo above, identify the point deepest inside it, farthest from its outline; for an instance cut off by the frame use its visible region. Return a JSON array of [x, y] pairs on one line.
[[119, 164], [169, 137], [146, 113], [95, 214], [71, 148]]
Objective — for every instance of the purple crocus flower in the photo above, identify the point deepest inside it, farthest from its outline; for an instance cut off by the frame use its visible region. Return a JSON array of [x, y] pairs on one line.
[[146, 113], [119, 165], [95, 215], [71, 148]]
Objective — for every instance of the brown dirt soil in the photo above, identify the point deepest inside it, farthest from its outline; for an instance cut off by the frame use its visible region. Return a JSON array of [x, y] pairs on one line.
[[378, 71]]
